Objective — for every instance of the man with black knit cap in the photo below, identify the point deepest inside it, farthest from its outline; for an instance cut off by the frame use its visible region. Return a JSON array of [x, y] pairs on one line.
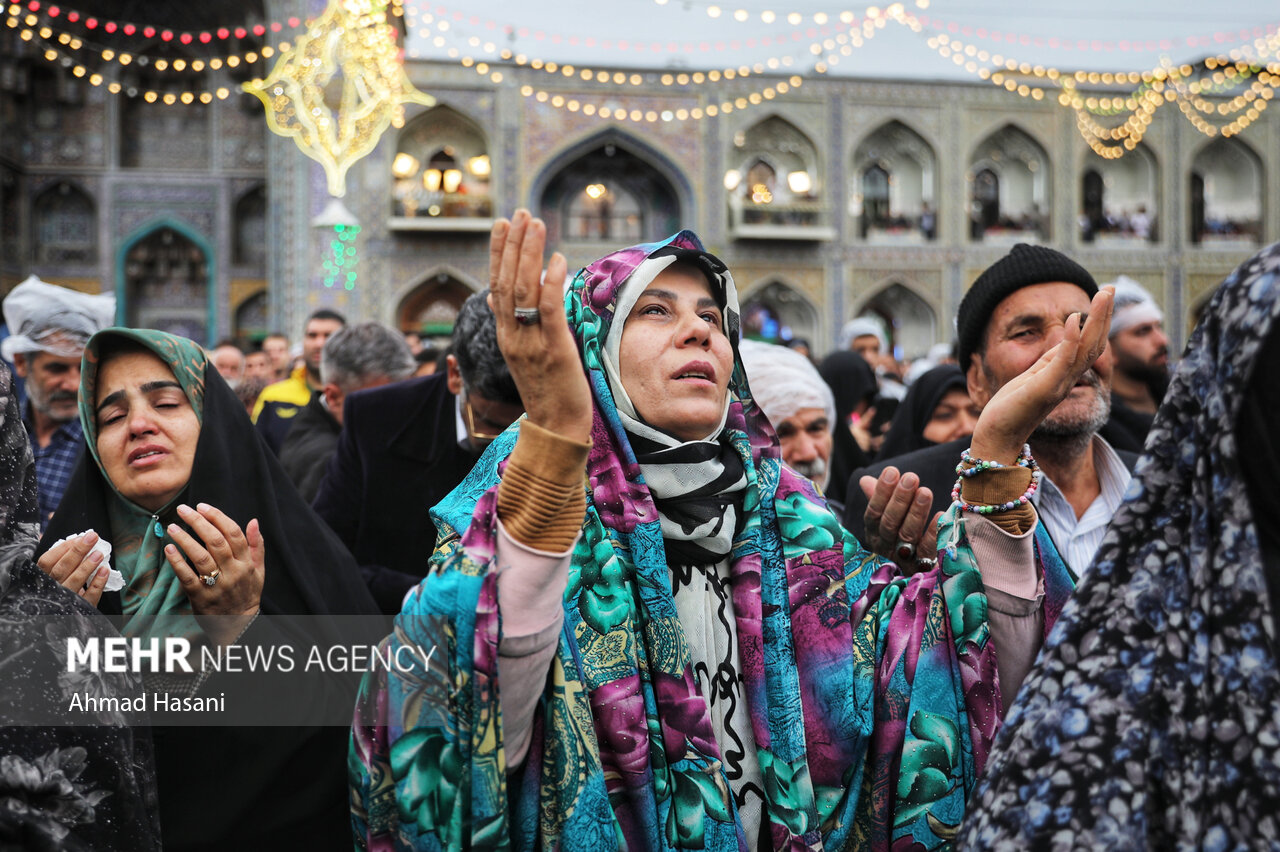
[[1012, 314]]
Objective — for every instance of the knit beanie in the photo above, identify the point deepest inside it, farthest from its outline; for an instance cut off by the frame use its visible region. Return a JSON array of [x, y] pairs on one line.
[[1022, 267]]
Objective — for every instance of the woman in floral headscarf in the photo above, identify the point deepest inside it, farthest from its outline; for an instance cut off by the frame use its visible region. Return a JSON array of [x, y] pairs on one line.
[[690, 652], [1153, 718]]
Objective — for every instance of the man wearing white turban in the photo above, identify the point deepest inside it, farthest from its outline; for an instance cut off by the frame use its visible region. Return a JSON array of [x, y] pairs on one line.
[[798, 403], [48, 328], [1141, 351], [865, 336]]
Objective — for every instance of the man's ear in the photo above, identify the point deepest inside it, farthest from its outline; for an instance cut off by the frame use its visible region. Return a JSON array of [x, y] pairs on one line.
[[20, 364], [332, 398], [454, 378], [976, 378]]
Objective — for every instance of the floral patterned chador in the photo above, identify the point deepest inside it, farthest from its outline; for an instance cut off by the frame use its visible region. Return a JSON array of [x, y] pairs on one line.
[[872, 699]]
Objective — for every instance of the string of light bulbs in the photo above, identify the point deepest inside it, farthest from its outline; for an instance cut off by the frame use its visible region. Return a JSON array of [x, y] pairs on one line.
[[1163, 84], [54, 54], [128, 28], [69, 42]]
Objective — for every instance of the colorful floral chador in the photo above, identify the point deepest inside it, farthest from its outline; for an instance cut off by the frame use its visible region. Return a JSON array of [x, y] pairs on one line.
[[873, 698]]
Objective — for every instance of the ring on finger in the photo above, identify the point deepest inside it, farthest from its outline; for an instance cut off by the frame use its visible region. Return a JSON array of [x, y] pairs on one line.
[[925, 563], [905, 551], [528, 316], [212, 577]]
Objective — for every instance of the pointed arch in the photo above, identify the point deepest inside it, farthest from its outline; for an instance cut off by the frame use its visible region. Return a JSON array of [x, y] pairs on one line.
[[178, 308], [616, 183], [1226, 197], [894, 185], [66, 225], [910, 320], [431, 304], [777, 311], [250, 317], [1120, 199], [1022, 175], [249, 239], [441, 170]]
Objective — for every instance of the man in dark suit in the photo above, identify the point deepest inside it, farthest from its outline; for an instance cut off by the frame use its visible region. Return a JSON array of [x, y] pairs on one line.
[[405, 446], [1012, 314]]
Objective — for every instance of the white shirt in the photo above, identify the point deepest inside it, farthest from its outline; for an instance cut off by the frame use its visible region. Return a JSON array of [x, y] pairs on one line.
[[1078, 539]]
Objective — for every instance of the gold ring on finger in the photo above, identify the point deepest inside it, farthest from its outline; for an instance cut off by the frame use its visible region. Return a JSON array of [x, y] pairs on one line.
[[211, 577]]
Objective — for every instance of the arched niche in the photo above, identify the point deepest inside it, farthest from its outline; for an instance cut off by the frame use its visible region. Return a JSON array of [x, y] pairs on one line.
[[1119, 199], [910, 321], [1009, 189], [167, 283], [441, 173], [159, 135], [66, 226], [251, 317], [249, 239], [894, 188], [777, 313], [1226, 195], [605, 192], [431, 308], [774, 181]]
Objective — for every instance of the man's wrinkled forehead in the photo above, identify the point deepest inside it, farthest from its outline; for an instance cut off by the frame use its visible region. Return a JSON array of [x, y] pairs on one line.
[[1037, 304]]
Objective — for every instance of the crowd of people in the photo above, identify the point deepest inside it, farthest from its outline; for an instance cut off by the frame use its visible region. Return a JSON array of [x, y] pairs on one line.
[[690, 590]]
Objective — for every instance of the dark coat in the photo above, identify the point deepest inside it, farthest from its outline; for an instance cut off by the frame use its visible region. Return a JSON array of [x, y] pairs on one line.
[[308, 446], [397, 456], [936, 467]]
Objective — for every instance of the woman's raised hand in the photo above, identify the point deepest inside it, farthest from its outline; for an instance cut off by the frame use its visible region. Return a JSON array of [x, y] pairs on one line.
[[234, 558], [539, 349], [1014, 412], [73, 562]]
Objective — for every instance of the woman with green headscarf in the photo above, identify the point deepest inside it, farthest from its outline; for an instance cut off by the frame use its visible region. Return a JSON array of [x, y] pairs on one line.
[[203, 522]]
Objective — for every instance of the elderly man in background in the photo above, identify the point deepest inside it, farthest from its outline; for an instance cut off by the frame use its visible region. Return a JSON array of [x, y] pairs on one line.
[[1013, 314], [1140, 350], [365, 355], [229, 359], [798, 403], [405, 446], [49, 326]]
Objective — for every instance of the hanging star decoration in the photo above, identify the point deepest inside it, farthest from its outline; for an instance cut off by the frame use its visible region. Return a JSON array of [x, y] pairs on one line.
[[339, 87]]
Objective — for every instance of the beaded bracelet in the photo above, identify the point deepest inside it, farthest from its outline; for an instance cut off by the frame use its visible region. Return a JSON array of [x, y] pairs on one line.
[[979, 465], [983, 509], [1024, 460]]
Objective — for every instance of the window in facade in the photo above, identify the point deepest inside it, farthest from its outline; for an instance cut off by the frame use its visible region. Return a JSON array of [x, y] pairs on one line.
[[249, 241], [1118, 199], [163, 136], [1009, 189], [1226, 195], [66, 226], [609, 195], [167, 285], [773, 183], [895, 187], [441, 169]]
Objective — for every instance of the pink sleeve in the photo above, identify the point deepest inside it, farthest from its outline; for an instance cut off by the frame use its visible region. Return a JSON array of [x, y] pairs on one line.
[[531, 586]]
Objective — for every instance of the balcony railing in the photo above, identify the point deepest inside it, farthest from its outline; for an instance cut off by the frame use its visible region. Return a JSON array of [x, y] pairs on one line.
[[442, 211], [796, 220]]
